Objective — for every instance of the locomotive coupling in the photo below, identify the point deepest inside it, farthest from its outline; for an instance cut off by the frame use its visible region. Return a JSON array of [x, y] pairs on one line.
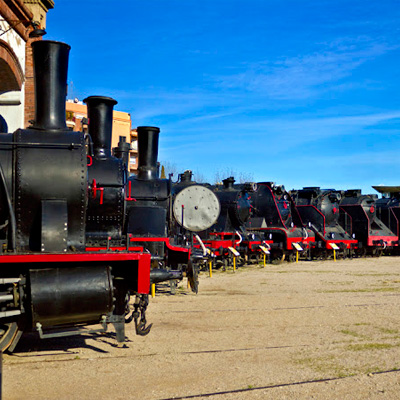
[[139, 311]]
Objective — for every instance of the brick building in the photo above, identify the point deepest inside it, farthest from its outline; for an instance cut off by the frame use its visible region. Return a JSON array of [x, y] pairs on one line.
[[122, 126], [19, 21]]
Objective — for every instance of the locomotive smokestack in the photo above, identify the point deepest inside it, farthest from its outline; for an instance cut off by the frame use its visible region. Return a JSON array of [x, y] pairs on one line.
[[50, 60], [186, 176], [148, 152], [228, 182], [122, 151], [100, 115]]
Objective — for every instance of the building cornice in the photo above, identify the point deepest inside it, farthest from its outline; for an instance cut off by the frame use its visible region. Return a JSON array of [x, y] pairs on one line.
[[17, 15], [45, 4]]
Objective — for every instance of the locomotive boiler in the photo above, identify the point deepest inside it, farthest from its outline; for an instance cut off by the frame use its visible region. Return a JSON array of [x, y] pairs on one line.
[[319, 211], [274, 216], [51, 280]]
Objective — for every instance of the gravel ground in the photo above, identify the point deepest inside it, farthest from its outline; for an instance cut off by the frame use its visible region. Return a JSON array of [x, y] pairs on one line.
[[322, 330]]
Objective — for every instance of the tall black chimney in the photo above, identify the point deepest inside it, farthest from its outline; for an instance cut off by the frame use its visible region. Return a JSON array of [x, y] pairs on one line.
[[50, 60], [148, 152], [100, 115]]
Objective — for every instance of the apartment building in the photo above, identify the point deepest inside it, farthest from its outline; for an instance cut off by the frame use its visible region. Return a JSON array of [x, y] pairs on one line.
[[122, 126]]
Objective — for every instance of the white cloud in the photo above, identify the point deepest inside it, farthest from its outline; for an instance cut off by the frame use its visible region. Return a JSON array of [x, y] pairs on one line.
[[305, 76]]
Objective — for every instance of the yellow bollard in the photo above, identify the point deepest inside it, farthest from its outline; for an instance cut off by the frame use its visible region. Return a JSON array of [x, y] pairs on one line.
[[334, 255], [297, 256], [265, 256], [153, 290], [234, 264], [210, 268]]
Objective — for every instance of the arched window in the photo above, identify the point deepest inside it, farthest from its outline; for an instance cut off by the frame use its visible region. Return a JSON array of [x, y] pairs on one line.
[[11, 80]]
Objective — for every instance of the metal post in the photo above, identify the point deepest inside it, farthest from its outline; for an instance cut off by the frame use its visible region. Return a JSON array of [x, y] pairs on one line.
[[234, 264], [297, 256], [210, 268], [153, 290], [265, 256], [334, 255]]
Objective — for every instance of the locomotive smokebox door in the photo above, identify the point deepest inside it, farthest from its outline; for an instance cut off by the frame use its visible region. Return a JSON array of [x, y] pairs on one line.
[[196, 208], [54, 226]]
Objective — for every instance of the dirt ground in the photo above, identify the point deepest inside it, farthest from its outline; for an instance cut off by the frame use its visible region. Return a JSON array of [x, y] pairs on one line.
[[323, 330]]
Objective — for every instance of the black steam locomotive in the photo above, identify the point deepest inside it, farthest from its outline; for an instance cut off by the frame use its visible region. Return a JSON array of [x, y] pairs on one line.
[[52, 275], [358, 216], [162, 216], [226, 239], [275, 217], [319, 211], [388, 208], [130, 211]]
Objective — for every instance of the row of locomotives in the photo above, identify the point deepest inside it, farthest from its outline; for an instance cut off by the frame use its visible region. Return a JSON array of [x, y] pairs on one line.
[[194, 209], [319, 211], [358, 216], [56, 273], [148, 203], [275, 220], [227, 239]]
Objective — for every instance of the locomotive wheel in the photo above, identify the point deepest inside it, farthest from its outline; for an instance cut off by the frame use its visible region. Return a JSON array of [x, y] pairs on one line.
[[277, 258], [8, 334], [362, 252], [172, 286], [375, 252], [323, 255], [193, 276], [254, 259]]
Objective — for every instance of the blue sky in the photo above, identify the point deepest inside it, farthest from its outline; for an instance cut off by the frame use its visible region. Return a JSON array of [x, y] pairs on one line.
[[300, 93]]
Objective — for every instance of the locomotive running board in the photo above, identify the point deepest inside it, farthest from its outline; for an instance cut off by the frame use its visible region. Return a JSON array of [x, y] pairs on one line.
[[71, 332]]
